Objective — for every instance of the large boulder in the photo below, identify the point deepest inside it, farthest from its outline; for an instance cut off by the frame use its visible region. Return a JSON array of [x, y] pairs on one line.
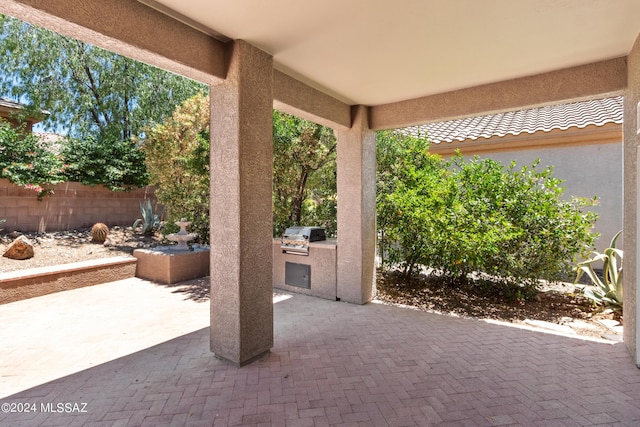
[[20, 248]]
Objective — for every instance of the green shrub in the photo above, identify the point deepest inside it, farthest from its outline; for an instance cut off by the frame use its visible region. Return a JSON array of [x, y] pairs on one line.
[[116, 164], [412, 187], [475, 216], [24, 162]]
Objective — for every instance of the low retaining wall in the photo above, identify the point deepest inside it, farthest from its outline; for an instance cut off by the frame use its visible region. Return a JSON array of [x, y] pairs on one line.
[[35, 282], [71, 206]]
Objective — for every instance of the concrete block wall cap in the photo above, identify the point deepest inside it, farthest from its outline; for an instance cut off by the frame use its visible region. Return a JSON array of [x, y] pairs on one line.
[[169, 251], [65, 268]]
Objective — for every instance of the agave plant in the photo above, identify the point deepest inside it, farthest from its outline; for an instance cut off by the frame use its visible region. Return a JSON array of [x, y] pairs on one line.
[[150, 220], [608, 289]]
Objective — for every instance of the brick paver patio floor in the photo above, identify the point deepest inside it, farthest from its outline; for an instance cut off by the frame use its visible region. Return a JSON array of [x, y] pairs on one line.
[[137, 353]]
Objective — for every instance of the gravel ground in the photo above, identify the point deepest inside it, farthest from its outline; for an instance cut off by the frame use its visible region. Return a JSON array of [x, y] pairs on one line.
[[62, 247], [559, 306]]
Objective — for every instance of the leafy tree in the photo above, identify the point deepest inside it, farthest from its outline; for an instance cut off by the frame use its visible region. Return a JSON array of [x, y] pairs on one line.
[[177, 158], [25, 162], [475, 216], [321, 207], [304, 173], [89, 92]]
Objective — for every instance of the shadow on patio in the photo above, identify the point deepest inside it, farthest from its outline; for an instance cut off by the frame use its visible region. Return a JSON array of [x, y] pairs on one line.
[[340, 364]]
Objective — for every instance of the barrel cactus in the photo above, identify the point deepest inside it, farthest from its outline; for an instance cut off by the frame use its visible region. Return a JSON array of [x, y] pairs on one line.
[[99, 232]]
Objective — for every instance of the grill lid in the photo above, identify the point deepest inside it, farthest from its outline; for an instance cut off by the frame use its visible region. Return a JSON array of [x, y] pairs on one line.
[[310, 234], [296, 239]]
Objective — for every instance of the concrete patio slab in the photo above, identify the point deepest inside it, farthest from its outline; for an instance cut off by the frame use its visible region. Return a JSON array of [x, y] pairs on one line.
[[56, 335], [138, 354]]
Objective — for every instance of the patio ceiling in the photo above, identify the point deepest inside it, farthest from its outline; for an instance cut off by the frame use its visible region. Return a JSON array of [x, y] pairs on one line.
[[374, 52], [412, 62]]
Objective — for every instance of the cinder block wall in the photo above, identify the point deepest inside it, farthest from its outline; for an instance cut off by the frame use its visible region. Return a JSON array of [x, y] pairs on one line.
[[72, 206]]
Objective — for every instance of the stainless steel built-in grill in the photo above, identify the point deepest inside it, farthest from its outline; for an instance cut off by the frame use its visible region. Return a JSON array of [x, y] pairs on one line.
[[296, 239]]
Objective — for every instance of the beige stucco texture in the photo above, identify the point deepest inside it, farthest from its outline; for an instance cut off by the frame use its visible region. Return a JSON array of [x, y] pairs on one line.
[[631, 203], [356, 180], [170, 266], [241, 212], [581, 82]]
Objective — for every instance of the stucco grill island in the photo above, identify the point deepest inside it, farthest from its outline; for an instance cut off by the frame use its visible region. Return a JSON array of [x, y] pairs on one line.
[[304, 261]]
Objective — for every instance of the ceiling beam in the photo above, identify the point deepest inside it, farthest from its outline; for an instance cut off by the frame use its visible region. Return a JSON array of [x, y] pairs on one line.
[[129, 28], [606, 78], [295, 97], [149, 34]]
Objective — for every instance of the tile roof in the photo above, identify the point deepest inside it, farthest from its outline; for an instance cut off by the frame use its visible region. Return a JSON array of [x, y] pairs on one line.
[[10, 106], [596, 112], [8, 103]]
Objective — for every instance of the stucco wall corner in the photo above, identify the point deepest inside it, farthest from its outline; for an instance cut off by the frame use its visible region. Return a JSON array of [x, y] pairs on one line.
[[631, 202]]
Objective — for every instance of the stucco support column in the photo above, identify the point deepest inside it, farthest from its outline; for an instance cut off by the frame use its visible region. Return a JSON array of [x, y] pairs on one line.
[[631, 223], [241, 213], [356, 209]]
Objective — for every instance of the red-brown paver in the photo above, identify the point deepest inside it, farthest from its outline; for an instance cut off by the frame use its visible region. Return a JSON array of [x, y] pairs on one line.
[[333, 364]]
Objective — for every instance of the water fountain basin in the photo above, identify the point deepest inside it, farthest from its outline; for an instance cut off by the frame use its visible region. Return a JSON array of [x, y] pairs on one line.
[[182, 237], [175, 263]]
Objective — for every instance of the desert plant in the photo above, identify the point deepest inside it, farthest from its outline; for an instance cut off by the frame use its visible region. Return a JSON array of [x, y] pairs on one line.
[[607, 290], [151, 220], [99, 232]]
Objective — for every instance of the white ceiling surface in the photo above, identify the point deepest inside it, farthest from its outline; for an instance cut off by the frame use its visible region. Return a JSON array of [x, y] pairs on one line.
[[374, 52]]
